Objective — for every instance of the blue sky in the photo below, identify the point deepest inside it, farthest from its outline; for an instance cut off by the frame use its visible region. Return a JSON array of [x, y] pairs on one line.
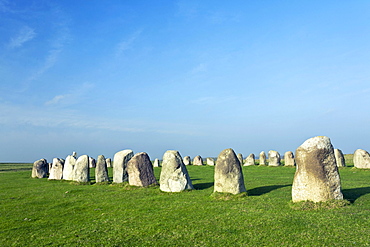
[[97, 77]]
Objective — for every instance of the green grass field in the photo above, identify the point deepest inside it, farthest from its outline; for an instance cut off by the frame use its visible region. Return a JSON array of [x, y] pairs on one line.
[[38, 212]]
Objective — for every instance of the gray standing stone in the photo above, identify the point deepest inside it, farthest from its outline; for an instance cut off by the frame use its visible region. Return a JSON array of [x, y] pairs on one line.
[[109, 162], [289, 159], [361, 159], [140, 170], [339, 158], [120, 165], [101, 170], [250, 160], [156, 163], [74, 154], [187, 160], [197, 161], [210, 161], [316, 178], [68, 168], [228, 173], [81, 171], [40, 168], [92, 162], [240, 158], [174, 175], [262, 158], [56, 170], [274, 158]]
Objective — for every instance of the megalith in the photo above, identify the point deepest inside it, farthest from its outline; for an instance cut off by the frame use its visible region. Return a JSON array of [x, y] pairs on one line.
[[174, 175], [228, 173], [361, 159], [56, 170], [109, 162], [289, 158], [40, 168], [262, 158], [210, 161], [240, 158], [120, 165], [316, 178], [92, 162], [274, 158], [187, 160], [197, 161], [156, 163], [69, 165], [140, 170], [101, 170], [250, 160], [339, 158], [81, 171]]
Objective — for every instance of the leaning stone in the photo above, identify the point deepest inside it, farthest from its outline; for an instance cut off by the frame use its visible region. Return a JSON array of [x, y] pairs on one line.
[[228, 173], [69, 165], [240, 158], [316, 178], [174, 175], [289, 159], [120, 165], [56, 171], [262, 158], [140, 170], [361, 159], [92, 162], [40, 169], [109, 162], [156, 163], [187, 160], [250, 160], [339, 158], [197, 161], [81, 172], [274, 158], [210, 161], [101, 170]]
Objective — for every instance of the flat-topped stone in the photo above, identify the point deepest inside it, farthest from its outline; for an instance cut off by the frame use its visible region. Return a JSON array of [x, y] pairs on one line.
[[289, 158], [140, 170], [40, 168], [120, 165], [361, 159], [56, 170], [274, 158]]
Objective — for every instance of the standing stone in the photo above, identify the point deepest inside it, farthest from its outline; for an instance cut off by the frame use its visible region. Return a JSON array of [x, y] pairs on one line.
[[49, 167], [210, 161], [197, 161], [240, 158], [92, 162], [339, 158], [56, 171], [81, 172], [140, 170], [187, 160], [228, 173], [274, 158], [101, 170], [69, 165], [174, 175], [156, 163], [250, 160], [109, 162], [361, 159], [262, 158], [74, 154], [316, 178], [289, 159], [40, 168], [120, 165]]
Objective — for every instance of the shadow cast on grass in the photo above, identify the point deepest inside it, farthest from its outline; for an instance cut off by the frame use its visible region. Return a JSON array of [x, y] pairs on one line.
[[353, 194], [202, 186], [265, 189]]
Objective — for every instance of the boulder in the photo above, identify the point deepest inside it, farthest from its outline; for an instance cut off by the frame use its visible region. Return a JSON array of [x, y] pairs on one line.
[[156, 163], [361, 159], [210, 161], [187, 160], [92, 162], [40, 168], [262, 158], [120, 165], [140, 170], [289, 159], [339, 158], [240, 158], [316, 178], [250, 160], [174, 175], [56, 170], [197, 161], [69, 165], [228, 173], [274, 158], [108, 161], [101, 170], [81, 171]]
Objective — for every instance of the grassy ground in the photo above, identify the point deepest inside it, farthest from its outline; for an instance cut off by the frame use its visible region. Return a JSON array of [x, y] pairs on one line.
[[38, 212]]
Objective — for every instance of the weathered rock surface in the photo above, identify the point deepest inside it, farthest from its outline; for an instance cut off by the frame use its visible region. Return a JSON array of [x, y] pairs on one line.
[[187, 160], [56, 170], [262, 158], [69, 165], [74, 154], [198, 161], [81, 171], [140, 170], [240, 158], [101, 170], [361, 159], [40, 168], [108, 161], [274, 158], [156, 163], [210, 161], [289, 159], [120, 165], [316, 178], [250, 160], [92, 162], [174, 175], [228, 173], [339, 158]]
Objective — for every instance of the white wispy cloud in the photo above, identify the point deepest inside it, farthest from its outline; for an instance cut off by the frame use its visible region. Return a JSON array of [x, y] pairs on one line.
[[127, 43], [57, 99], [24, 35], [73, 96]]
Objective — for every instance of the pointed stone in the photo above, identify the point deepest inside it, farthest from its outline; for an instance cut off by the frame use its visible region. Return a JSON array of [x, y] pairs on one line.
[[101, 170], [120, 165], [69, 165], [228, 173], [262, 158], [361, 159], [289, 158], [81, 171], [240, 158], [56, 170], [339, 158], [140, 170], [250, 160], [187, 160], [274, 158], [210, 161], [156, 163], [197, 161], [316, 178], [174, 175], [40, 168]]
